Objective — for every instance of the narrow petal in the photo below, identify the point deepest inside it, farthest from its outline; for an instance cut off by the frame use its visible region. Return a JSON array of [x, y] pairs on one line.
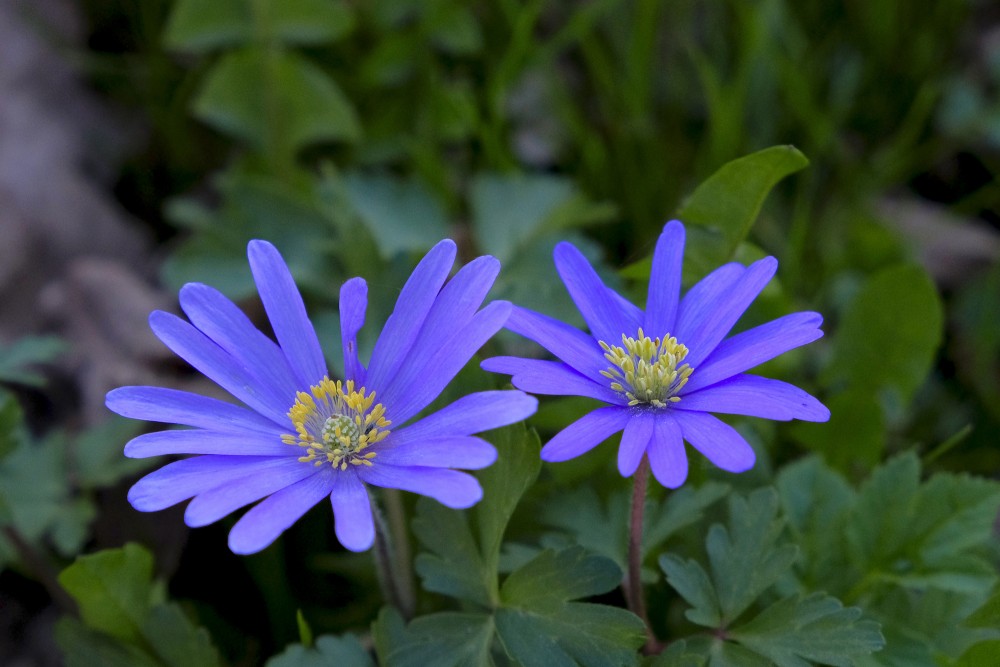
[[239, 491], [352, 513], [441, 366], [171, 406], [453, 309], [600, 310], [665, 281], [262, 525], [719, 442], [575, 347], [727, 309], [666, 453], [198, 441], [470, 414], [552, 378], [699, 302], [353, 304], [755, 346], [756, 396], [460, 451], [638, 432], [287, 313], [198, 350], [451, 488], [180, 480], [585, 433], [412, 307], [218, 318]]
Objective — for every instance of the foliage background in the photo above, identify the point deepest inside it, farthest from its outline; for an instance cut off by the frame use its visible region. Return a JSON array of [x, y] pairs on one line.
[[143, 143]]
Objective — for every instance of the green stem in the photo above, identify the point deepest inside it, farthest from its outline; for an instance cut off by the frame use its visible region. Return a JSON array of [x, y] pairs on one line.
[[402, 557], [385, 565], [634, 594]]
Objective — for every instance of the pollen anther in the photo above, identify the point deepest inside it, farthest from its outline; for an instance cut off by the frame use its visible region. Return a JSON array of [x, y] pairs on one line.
[[646, 370]]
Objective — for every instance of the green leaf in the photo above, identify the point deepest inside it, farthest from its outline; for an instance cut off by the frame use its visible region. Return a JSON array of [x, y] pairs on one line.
[[854, 435], [987, 615], [454, 566], [539, 625], [724, 207], [114, 589], [816, 628], [329, 651], [83, 647], [983, 654], [453, 28], [97, 453], [12, 431], [198, 26], [689, 578], [447, 639], [401, 214], [201, 26], [890, 333], [175, 640], [33, 485], [275, 100], [17, 359]]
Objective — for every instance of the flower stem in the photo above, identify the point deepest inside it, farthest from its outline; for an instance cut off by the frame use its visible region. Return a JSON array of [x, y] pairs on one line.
[[385, 565], [402, 562], [634, 594]]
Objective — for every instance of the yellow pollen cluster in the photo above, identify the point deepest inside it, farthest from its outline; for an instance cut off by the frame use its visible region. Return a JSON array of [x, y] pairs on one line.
[[336, 423], [646, 370]]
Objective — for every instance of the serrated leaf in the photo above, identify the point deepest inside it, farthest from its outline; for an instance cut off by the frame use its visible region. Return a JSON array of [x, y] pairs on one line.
[[401, 214], [328, 651], [33, 486], [889, 334], [677, 655], [987, 615], [689, 578], [97, 453], [114, 590], [447, 639], [880, 519], [83, 647], [17, 359], [539, 625], [454, 566], [728, 202], [745, 558], [817, 628], [275, 100]]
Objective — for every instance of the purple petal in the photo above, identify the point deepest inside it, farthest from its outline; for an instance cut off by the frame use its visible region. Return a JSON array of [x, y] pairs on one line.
[[218, 318], [726, 309], [171, 406], [453, 309], [700, 301], [211, 505], [198, 441], [605, 317], [755, 346], [586, 433], [719, 442], [573, 346], [287, 313], [638, 432], [352, 513], [756, 396], [460, 451], [181, 480], [665, 281], [263, 524], [470, 414], [412, 307], [666, 453], [552, 378], [451, 488], [441, 366], [632, 312], [198, 350], [353, 303]]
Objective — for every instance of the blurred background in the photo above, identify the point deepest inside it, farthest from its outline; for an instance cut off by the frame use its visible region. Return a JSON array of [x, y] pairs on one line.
[[144, 142]]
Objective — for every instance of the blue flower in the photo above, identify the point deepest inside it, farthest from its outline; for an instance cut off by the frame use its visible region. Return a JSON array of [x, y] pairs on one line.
[[303, 437], [663, 370]]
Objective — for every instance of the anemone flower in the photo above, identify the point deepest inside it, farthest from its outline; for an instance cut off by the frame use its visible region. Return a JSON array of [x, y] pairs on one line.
[[662, 371], [302, 436]]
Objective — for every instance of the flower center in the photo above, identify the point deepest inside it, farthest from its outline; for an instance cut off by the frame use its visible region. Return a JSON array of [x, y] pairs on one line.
[[336, 424], [646, 370]]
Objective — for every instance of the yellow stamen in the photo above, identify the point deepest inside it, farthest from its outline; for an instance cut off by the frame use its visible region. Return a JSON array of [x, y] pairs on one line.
[[335, 424], [646, 370]]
